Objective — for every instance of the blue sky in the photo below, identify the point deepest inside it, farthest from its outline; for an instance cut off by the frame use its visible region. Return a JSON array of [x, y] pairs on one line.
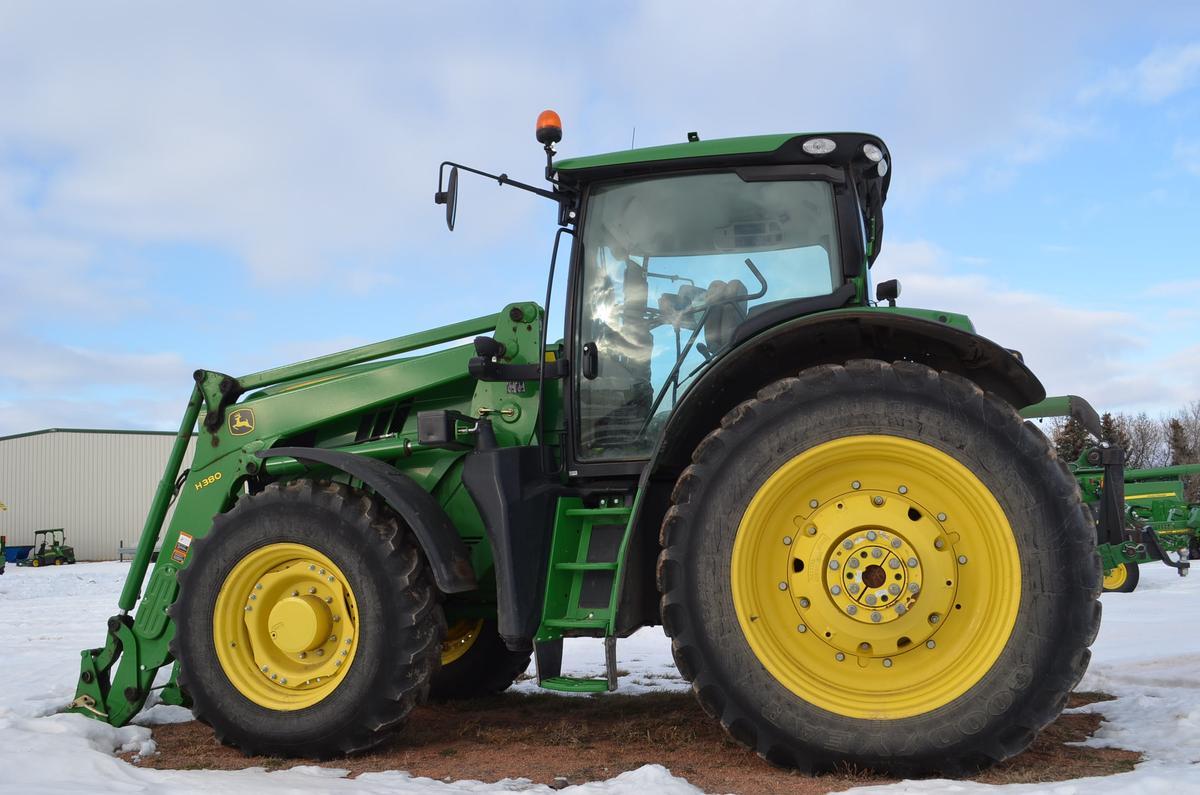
[[186, 187]]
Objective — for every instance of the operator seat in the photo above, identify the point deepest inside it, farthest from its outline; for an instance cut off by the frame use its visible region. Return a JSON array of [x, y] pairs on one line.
[[725, 313]]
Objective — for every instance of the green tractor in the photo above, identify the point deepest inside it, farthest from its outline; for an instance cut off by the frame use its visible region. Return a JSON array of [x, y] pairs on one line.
[[49, 549], [1140, 515], [860, 552]]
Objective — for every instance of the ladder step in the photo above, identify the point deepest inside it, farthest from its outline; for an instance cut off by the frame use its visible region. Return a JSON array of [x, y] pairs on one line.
[[576, 623], [586, 566], [571, 684], [599, 512]]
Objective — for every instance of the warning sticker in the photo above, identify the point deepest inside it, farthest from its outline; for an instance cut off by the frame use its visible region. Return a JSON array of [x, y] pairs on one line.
[[179, 555]]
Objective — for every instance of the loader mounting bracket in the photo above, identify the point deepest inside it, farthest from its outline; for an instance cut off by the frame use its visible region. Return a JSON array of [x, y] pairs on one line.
[[219, 391]]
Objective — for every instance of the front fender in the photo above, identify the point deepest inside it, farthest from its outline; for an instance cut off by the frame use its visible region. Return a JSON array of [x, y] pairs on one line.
[[447, 554]]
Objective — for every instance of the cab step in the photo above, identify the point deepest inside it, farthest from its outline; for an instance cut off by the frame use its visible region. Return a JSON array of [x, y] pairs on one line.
[[548, 656]]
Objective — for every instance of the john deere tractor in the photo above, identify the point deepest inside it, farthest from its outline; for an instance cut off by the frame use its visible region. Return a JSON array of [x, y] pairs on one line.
[[860, 552], [49, 549]]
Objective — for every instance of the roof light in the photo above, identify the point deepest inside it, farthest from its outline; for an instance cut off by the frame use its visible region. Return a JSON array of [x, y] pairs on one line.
[[873, 152], [819, 146], [549, 128], [883, 168]]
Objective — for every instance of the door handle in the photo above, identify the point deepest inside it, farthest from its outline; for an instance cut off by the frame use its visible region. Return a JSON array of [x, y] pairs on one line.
[[591, 361]]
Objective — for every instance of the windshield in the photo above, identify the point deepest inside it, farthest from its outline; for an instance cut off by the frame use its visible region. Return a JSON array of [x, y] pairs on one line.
[[671, 267]]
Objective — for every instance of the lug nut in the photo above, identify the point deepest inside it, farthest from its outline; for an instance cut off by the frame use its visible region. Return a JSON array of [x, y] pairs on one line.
[[895, 543], [877, 553], [303, 654], [264, 669], [344, 652], [887, 663], [856, 485], [258, 587], [851, 609], [312, 589], [833, 564], [934, 618], [283, 681], [848, 544], [320, 652], [912, 563], [804, 601], [901, 610], [321, 572], [331, 578], [835, 590], [877, 500], [929, 644], [312, 567], [854, 587], [253, 596], [876, 617], [872, 535], [894, 589], [801, 628], [962, 559], [812, 530], [893, 564], [852, 563], [783, 586], [939, 543], [248, 608], [295, 593], [839, 656], [337, 663], [348, 641], [333, 638], [913, 587], [337, 618], [274, 676], [787, 540], [941, 517], [871, 599], [328, 600], [813, 503], [903, 489]]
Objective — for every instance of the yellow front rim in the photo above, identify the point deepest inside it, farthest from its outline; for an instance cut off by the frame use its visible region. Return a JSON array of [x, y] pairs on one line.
[[876, 577], [285, 626], [460, 637], [1116, 578]]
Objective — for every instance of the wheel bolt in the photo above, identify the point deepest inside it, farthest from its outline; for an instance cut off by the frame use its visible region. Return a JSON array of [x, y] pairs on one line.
[[258, 587], [283, 681], [333, 638], [887, 663], [303, 654], [813, 503], [348, 641], [328, 600], [337, 663], [848, 544], [877, 553], [903, 489], [835, 590], [312, 568], [893, 564], [941, 517], [783, 586], [337, 618], [253, 596], [274, 676], [852, 563], [787, 540], [833, 564], [872, 535], [321, 572], [934, 618], [804, 601], [876, 617], [320, 652], [877, 500], [894, 589], [264, 669], [248, 608], [912, 563], [854, 587], [331, 578], [812, 530], [856, 485], [851, 609], [295, 593], [839, 656], [871, 599], [801, 628], [929, 644], [312, 589], [901, 610], [895, 543], [939, 543], [962, 559], [913, 587], [344, 653]]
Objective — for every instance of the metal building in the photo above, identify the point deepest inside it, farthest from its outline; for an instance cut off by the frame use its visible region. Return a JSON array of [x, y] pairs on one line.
[[97, 485]]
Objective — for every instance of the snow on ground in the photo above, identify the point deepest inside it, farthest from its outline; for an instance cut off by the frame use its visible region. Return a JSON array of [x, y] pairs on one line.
[[1147, 654]]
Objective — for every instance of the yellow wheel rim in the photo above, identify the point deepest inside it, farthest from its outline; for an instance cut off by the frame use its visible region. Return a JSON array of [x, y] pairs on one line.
[[1116, 578], [460, 637], [36, 563], [876, 577], [285, 626]]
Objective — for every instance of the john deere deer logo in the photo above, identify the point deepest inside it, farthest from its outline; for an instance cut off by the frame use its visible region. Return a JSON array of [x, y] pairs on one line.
[[241, 422]]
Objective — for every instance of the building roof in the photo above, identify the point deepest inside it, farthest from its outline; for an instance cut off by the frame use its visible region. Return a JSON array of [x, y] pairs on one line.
[[86, 430]]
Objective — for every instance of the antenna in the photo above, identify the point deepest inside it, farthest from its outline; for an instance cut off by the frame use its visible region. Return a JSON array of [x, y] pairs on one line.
[[633, 137]]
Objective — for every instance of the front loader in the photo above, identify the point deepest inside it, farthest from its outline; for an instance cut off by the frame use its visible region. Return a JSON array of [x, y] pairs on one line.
[[860, 552]]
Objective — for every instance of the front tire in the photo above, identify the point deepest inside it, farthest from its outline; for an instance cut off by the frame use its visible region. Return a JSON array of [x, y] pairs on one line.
[[881, 566], [475, 662], [306, 624]]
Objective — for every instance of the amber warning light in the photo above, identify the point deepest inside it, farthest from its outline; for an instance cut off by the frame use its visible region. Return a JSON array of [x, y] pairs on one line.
[[549, 128]]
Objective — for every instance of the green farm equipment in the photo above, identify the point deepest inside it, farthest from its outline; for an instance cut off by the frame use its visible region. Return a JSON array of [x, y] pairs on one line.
[[49, 549], [860, 552], [1141, 515]]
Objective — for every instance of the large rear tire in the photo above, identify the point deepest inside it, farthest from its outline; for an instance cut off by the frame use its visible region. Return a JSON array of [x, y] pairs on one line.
[[879, 565], [307, 623], [475, 662]]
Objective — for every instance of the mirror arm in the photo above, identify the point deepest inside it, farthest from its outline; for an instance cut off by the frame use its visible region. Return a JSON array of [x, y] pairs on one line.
[[503, 179]]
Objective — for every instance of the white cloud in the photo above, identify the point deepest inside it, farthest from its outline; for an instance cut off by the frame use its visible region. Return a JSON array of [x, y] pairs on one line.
[[1104, 355], [1162, 74]]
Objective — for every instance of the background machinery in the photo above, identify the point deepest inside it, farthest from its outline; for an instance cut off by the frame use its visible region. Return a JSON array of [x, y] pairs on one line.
[[831, 505], [49, 549]]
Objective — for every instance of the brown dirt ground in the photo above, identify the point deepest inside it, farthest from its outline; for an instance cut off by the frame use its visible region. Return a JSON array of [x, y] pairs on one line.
[[547, 738]]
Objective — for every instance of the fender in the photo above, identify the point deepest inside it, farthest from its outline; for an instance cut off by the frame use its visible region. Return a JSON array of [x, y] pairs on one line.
[[833, 338], [448, 555]]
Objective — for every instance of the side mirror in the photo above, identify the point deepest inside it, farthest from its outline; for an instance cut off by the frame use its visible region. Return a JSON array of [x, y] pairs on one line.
[[449, 197], [888, 291]]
